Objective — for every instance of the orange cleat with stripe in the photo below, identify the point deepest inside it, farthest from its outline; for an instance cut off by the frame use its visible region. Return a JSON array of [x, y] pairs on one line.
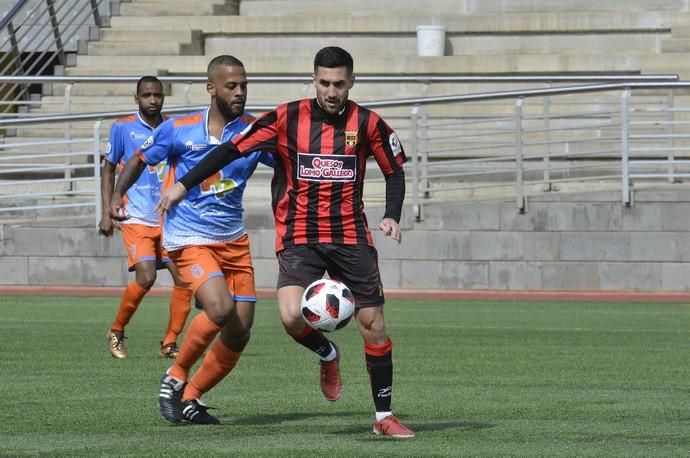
[[330, 377], [392, 427]]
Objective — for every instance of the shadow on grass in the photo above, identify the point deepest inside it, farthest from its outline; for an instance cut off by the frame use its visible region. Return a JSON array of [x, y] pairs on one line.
[[270, 419], [423, 426], [431, 426]]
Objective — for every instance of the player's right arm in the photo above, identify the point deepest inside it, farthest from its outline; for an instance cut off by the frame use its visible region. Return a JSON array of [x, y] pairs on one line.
[[113, 155], [106, 225]]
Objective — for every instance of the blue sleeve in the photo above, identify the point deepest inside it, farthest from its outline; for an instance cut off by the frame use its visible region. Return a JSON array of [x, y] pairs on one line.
[[115, 148], [267, 159], [160, 145]]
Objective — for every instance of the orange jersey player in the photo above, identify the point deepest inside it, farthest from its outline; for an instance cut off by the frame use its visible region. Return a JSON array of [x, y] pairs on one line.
[[206, 238], [141, 232]]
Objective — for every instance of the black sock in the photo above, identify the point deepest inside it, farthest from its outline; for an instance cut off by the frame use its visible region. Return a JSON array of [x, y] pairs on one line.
[[380, 370], [315, 341]]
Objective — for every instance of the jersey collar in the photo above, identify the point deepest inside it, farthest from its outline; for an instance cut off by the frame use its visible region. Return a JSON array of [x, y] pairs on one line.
[[320, 114], [208, 134], [141, 120]]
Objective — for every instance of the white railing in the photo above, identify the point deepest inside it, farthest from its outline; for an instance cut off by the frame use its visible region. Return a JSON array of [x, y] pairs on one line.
[[507, 144], [23, 106], [517, 143]]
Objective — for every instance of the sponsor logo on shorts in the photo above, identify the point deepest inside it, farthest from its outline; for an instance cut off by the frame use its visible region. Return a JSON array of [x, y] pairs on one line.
[[197, 271], [327, 167]]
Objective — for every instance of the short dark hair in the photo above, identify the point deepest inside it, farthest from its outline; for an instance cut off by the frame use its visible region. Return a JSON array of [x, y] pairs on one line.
[[223, 61], [333, 57], [148, 79]]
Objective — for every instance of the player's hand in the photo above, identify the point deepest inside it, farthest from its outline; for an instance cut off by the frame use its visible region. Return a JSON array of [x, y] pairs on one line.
[[391, 228], [106, 225], [117, 208], [170, 197]]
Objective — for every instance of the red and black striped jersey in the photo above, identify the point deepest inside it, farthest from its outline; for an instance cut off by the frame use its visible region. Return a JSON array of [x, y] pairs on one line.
[[320, 163]]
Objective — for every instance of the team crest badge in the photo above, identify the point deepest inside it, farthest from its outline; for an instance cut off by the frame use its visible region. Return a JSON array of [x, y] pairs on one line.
[[350, 138]]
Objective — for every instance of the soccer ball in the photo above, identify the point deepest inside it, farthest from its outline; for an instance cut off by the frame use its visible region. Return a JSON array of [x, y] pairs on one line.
[[327, 305]]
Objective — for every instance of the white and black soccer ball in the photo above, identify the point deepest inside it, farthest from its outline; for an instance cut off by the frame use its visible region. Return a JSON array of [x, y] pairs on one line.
[[327, 305]]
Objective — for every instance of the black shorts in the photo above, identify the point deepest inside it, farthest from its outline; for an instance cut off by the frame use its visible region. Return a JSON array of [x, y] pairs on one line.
[[355, 265]]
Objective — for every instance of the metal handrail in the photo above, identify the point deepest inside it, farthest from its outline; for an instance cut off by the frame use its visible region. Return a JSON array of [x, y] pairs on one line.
[[12, 13], [39, 38], [517, 127], [429, 100], [257, 78]]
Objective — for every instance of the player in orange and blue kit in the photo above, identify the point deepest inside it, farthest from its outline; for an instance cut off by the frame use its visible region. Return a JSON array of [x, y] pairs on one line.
[[206, 238], [141, 232]]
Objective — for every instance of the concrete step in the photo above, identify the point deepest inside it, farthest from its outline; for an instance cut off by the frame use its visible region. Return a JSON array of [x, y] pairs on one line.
[[177, 7], [162, 48], [675, 45], [598, 102], [406, 44], [263, 8], [364, 7], [532, 23], [37, 143], [526, 6], [680, 31], [283, 91], [129, 34], [453, 65]]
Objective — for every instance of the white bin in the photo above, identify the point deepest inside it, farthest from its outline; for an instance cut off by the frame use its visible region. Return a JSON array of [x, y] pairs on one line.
[[431, 40]]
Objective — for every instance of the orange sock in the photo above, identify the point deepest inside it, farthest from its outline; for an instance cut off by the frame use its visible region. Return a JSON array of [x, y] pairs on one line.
[[199, 335], [217, 364], [131, 299], [180, 305]]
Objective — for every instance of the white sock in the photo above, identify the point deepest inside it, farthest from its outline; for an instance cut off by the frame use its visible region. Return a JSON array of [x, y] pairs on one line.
[[380, 416], [331, 356]]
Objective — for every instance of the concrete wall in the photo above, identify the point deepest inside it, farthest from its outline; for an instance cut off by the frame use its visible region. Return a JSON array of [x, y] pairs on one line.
[[562, 242]]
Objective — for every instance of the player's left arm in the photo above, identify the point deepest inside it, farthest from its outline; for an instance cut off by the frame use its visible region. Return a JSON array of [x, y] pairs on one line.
[[395, 194], [129, 175], [390, 156], [267, 159], [155, 149]]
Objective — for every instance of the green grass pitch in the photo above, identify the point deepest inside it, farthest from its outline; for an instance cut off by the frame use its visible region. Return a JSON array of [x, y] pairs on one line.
[[472, 378]]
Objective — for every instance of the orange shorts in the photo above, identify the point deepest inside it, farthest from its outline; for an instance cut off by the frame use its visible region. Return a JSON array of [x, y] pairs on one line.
[[232, 260], [143, 243]]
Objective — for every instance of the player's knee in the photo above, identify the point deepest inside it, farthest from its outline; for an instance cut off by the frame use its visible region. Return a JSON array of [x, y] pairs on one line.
[[236, 340], [293, 325], [243, 337], [372, 326], [146, 280], [220, 311]]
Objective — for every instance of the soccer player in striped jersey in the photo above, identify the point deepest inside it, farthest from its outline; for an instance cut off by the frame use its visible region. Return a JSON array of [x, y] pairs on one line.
[[141, 232], [321, 146], [206, 238]]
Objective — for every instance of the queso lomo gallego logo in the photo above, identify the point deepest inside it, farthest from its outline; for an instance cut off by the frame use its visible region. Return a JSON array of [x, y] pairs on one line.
[[326, 167]]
